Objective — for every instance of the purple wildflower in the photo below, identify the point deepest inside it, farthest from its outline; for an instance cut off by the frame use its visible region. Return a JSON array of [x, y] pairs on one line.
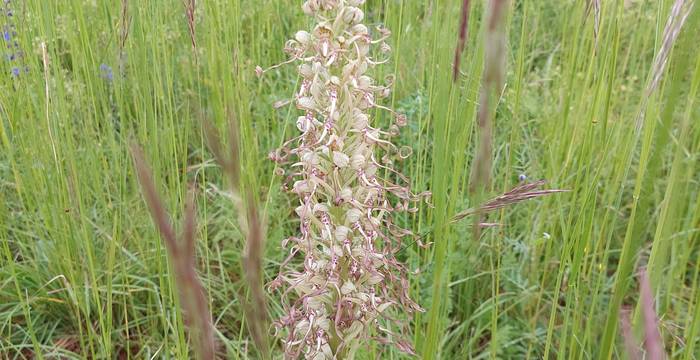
[[14, 53], [106, 72]]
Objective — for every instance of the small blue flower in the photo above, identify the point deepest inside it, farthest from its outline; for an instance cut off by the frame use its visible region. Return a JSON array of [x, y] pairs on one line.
[[106, 72], [15, 71], [522, 177], [6, 35]]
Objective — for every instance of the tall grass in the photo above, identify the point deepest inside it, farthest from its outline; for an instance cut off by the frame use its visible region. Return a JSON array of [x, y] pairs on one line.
[[83, 273]]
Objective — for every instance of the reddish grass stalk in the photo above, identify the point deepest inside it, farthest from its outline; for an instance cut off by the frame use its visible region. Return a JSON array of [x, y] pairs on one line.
[[463, 24], [493, 77], [182, 256], [631, 346], [190, 6], [653, 344], [493, 80], [254, 230]]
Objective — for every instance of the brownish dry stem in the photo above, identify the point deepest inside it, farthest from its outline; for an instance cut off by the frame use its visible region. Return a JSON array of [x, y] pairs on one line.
[[182, 257], [463, 23], [253, 228]]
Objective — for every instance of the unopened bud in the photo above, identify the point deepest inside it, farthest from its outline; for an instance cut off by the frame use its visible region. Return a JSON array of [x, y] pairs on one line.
[[303, 37], [353, 215], [353, 15], [358, 161], [341, 233], [340, 160]]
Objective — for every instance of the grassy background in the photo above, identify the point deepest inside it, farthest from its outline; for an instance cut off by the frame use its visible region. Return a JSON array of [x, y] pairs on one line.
[[84, 274]]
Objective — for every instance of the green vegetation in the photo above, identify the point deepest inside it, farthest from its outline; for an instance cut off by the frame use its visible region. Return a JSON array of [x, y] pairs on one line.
[[84, 274]]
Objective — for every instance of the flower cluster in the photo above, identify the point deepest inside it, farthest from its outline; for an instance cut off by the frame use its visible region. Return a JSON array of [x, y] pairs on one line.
[[13, 52], [350, 281], [106, 73]]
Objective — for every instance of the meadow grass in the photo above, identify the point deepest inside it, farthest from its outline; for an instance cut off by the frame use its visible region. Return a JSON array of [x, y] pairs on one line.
[[83, 273]]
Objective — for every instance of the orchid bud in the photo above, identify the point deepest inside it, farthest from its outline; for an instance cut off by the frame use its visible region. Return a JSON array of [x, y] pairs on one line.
[[401, 120], [385, 48], [353, 215], [347, 288], [360, 121], [358, 161], [329, 4], [319, 70], [359, 30], [394, 130], [376, 278], [316, 89], [306, 103], [341, 233], [301, 186], [385, 92], [303, 124], [320, 208], [362, 67], [370, 170], [310, 7], [310, 158], [364, 82], [303, 37], [345, 194], [302, 211], [340, 160], [352, 15], [306, 71]]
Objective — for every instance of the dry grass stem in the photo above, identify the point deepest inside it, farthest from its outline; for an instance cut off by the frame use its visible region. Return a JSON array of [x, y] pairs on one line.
[[252, 228], [182, 256], [463, 25]]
